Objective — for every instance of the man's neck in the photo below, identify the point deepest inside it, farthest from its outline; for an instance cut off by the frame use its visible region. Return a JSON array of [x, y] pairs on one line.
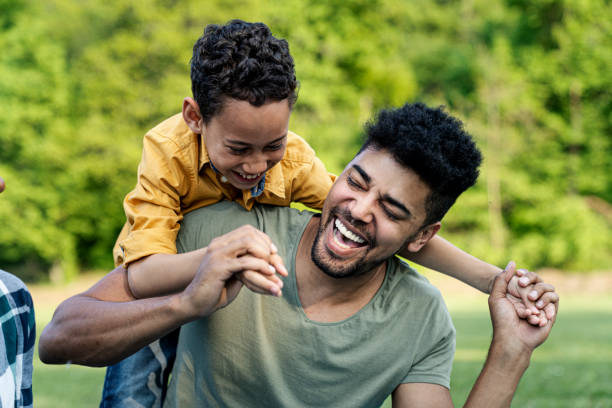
[[328, 299]]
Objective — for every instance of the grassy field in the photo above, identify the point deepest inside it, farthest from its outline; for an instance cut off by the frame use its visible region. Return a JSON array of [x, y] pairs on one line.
[[572, 369]]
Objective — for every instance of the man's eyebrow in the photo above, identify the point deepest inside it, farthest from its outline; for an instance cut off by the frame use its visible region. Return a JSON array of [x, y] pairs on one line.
[[386, 197], [365, 176], [240, 142], [395, 203]]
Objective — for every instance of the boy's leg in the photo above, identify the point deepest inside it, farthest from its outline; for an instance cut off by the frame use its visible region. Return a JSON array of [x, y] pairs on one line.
[[141, 379]]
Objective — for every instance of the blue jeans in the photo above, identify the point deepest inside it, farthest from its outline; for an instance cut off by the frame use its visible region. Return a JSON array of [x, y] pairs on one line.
[[141, 380]]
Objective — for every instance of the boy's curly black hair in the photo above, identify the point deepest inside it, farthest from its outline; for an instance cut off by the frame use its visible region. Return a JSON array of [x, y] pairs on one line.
[[243, 61], [434, 145]]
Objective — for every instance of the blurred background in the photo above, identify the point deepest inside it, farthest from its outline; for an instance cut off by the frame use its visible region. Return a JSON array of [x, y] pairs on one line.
[[82, 81]]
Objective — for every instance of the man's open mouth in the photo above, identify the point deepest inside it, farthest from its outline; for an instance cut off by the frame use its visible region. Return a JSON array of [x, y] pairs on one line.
[[345, 238]]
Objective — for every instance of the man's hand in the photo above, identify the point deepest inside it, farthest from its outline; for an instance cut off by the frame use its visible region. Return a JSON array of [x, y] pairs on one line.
[[245, 252], [508, 327]]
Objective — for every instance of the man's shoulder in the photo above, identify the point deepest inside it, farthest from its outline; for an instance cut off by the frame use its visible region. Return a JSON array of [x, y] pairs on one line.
[[231, 209], [411, 277], [206, 223], [416, 304], [413, 286]]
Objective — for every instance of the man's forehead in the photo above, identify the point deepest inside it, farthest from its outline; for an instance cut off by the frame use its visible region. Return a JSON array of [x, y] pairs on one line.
[[371, 160]]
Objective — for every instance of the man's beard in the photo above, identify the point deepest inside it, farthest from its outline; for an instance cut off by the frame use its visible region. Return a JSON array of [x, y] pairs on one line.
[[336, 267]]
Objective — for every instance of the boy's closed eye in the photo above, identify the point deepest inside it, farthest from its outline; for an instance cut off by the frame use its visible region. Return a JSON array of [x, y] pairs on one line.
[[275, 146]]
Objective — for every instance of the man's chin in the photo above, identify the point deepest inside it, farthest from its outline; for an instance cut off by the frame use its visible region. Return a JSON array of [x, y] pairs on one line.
[[334, 266], [336, 273], [328, 262]]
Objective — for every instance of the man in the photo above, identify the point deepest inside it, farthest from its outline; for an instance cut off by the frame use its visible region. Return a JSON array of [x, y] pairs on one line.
[[17, 337], [354, 324]]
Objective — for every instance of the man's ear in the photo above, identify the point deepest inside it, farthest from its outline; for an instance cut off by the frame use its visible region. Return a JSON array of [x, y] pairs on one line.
[[424, 236], [192, 116]]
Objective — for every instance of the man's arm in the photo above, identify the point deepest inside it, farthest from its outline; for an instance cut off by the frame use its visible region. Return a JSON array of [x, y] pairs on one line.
[[514, 340], [106, 323], [513, 343]]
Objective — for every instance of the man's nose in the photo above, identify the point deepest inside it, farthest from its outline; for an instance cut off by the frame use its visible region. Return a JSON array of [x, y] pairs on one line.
[[362, 208]]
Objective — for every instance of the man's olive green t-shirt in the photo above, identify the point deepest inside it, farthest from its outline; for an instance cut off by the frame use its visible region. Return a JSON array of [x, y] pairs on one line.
[[264, 351]]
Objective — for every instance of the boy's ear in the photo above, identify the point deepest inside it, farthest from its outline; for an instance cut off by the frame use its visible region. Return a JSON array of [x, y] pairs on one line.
[[192, 116], [423, 237]]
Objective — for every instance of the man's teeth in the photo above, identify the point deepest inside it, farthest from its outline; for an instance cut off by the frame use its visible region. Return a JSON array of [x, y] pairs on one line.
[[348, 234]]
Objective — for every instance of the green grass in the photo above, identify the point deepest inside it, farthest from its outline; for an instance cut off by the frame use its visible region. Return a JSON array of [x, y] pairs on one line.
[[67, 385], [572, 369]]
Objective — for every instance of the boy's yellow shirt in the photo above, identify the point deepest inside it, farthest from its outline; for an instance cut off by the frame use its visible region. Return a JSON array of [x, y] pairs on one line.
[[175, 177]]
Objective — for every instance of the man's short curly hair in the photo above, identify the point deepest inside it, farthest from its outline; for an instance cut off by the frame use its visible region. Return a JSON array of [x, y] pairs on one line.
[[243, 61], [434, 145]]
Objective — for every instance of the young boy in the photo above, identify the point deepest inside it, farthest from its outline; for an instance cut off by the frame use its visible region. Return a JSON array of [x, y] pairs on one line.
[[231, 142]]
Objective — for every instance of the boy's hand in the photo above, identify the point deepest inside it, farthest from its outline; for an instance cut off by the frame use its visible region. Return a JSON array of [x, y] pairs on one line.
[[266, 282], [512, 333], [240, 252], [534, 289], [533, 299]]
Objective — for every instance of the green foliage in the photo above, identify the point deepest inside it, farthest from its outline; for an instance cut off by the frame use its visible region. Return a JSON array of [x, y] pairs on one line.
[[82, 82]]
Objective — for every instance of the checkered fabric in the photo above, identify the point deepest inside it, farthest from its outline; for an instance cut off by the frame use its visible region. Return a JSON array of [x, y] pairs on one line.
[[17, 338]]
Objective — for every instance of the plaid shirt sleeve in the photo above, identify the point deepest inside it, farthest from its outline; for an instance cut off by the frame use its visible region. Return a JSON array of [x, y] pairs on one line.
[[17, 338]]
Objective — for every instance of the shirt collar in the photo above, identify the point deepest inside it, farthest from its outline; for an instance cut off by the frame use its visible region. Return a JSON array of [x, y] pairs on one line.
[[203, 158]]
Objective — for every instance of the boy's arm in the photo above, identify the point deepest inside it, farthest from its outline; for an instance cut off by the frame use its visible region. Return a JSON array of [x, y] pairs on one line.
[[442, 256], [161, 274]]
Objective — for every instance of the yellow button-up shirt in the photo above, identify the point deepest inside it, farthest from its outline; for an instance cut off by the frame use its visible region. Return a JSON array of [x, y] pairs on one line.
[[175, 176]]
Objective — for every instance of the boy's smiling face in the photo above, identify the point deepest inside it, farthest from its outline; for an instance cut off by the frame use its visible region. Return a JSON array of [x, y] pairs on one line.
[[244, 141]]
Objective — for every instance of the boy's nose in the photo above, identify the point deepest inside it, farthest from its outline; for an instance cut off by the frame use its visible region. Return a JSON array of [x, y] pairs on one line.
[[255, 166]]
